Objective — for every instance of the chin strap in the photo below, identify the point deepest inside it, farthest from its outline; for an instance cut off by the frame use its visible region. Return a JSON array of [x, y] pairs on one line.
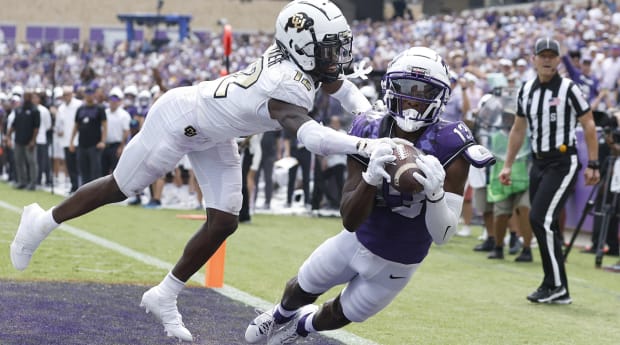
[[360, 70]]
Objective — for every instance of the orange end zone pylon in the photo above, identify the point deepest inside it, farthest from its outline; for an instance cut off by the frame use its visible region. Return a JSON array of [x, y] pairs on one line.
[[192, 216], [214, 269]]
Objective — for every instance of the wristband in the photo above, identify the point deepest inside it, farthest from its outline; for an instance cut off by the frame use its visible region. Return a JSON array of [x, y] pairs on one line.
[[594, 165], [436, 200]]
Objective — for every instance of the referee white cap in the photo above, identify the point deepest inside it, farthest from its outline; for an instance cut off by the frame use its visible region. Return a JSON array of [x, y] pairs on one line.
[[547, 43]]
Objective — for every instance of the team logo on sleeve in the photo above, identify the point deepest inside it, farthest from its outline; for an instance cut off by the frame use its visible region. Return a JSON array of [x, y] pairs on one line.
[[190, 131], [299, 21]]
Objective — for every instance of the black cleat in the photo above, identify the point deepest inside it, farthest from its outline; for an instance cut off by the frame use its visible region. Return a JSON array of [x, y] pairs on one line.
[[525, 256], [486, 246], [545, 294], [496, 253]]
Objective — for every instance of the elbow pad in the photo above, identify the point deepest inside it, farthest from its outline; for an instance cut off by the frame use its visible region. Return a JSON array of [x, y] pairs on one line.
[[326, 141], [479, 156], [442, 217], [351, 98]]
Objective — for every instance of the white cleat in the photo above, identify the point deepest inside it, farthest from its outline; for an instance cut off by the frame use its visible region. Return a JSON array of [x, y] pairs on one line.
[[165, 309], [27, 239], [287, 334], [260, 328]]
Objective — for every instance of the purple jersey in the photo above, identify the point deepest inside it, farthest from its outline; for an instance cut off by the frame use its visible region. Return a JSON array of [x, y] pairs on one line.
[[396, 228]]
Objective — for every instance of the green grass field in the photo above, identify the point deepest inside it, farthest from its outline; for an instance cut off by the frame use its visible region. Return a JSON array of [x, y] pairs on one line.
[[457, 297]]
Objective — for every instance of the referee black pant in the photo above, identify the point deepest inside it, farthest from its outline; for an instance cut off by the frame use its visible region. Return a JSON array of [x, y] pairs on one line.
[[551, 180]]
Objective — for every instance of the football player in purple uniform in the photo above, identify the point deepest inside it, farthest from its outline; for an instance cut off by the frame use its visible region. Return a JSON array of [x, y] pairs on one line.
[[387, 234], [313, 43]]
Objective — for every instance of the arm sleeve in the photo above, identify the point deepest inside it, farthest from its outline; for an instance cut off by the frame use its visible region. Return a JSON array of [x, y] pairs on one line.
[[351, 98], [325, 141], [442, 217]]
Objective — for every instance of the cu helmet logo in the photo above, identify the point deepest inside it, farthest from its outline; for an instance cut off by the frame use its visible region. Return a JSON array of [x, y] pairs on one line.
[[299, 21]]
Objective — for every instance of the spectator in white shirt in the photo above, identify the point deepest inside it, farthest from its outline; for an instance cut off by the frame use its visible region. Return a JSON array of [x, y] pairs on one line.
[[118, 130], [43, 157], [65, 120]]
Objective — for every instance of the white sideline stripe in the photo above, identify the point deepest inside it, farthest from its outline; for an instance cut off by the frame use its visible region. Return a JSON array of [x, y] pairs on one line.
[[227, 290]]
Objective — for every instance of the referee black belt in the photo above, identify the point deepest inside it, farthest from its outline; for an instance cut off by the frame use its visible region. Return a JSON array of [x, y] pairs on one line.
[[553, 154]]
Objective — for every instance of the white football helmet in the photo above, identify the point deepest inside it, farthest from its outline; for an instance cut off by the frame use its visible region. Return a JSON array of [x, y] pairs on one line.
[[316, 36], [416, 87]]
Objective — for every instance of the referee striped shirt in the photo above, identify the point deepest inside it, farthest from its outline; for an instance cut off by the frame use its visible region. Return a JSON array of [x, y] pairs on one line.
[[552, 110]]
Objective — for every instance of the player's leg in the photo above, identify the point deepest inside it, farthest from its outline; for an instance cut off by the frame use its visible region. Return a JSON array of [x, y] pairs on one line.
[[375, 286], [373, 283], [152, 152], [218, 172], [219, 175], [326, 267], [140, 164]]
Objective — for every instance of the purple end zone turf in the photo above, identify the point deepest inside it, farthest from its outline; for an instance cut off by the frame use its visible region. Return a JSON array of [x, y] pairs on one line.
[[36, 313]]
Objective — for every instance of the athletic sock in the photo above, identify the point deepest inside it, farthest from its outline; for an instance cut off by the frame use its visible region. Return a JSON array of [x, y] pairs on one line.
[[171, 285], [282, 315], [304, 326], [46, 221]]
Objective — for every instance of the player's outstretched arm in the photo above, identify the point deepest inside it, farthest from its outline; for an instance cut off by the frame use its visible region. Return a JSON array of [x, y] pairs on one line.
[[320, 139]]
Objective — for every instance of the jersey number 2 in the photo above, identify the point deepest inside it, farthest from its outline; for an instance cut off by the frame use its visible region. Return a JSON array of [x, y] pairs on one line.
[[244, 78]]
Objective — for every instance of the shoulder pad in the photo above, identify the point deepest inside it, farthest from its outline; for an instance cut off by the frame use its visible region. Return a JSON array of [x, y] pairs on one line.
[[285, 82], [446, 140], [479, 156]]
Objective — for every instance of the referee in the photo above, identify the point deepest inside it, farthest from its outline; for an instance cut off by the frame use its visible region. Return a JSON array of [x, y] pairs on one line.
[[550, 106]]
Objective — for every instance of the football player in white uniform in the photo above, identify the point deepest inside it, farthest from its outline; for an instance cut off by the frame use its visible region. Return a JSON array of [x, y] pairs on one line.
[[313, 43], [387, 233]]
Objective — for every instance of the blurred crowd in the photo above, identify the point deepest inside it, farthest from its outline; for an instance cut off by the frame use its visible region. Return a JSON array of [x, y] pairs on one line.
[[478, 45]]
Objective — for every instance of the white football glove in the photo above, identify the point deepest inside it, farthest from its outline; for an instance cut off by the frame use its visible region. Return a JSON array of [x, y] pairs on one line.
[[379, 106], [365, 147], [375, 173], [435, 176]]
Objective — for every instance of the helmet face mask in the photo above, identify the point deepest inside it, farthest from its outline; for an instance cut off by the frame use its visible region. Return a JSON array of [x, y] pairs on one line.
[[316, 36], [416, 88]]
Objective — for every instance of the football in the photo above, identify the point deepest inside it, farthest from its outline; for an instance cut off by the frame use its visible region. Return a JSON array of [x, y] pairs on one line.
[[402, 169]]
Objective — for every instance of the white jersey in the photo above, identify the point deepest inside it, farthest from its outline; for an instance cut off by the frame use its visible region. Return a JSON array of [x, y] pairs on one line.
[[236, 105], [201, 121]]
